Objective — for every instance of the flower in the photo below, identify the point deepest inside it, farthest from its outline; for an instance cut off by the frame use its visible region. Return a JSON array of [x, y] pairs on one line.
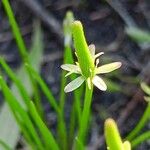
[[93, 78]]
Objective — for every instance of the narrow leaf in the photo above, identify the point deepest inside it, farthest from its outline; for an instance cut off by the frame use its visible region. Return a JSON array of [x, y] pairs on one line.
[[6, 117], [138, 35], [44, 131]]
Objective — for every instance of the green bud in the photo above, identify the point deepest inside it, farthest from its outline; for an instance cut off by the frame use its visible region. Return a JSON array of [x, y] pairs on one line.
[[85, 59], [112, 135]]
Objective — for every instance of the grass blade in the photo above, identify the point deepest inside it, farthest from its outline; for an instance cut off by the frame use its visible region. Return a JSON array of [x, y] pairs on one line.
[[18, 111], [15, 30], [6, 117], [46, 134], [45, 88]]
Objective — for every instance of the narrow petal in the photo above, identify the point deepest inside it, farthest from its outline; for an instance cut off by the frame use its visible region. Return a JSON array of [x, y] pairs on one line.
[[99, 83], [74, 84], [147, 98], [108, 67], [71, 68], [97, 62], [98, 54], [92, 49], [68, 74], [145, 88]]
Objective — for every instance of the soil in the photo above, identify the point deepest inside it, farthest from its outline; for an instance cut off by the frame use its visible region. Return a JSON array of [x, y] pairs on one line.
[[106, 29]]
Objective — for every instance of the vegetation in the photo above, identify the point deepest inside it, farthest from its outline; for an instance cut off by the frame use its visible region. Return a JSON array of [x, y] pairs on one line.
[[24, 100]]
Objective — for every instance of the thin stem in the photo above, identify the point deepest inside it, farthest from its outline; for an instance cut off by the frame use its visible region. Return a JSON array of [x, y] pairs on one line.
[[143, 137], [48, 138], [75, 116], [84, 118], [140, 124], [22, 48], [16, 30], [68, 58]]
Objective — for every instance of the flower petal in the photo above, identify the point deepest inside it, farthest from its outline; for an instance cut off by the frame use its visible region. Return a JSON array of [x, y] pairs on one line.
[[99, 83], [147, 98], [98, 54], [68, 74], [108, 67], [145, 88], [92, 49], [71, 68], [74, 84]]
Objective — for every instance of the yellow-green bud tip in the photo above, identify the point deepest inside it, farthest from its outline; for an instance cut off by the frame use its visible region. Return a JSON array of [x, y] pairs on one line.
[[110, 122], [77, 23]]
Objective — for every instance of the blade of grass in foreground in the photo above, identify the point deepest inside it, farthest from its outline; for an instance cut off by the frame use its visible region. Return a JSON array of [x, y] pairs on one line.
[[45, 133], [6, 117], [17, 82], [138, 35], [44, 88], [143, 120], [15, 30], [4, 145], [23, 49], [18, 111], [37, 45]]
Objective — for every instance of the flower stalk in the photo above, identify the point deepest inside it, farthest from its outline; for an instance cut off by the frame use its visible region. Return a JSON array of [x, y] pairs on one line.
[[87, 68]]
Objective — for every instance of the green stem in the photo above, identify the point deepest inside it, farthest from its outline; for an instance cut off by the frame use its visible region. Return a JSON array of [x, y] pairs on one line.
[[75, 116], [48, 138], [143, 137], [22, 48], [84, 118], [16, 30], [37, 97], [140, 124]]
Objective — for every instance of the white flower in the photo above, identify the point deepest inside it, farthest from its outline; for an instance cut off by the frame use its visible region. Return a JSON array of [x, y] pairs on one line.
[[96, 80]]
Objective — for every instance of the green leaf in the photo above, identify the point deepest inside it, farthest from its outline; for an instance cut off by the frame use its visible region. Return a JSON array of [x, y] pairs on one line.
[[6, 117], [4, 145], [45, 88], [15, 30], [20, 114], [112, 86], [44, 131], [18, 83], [138, 35]]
